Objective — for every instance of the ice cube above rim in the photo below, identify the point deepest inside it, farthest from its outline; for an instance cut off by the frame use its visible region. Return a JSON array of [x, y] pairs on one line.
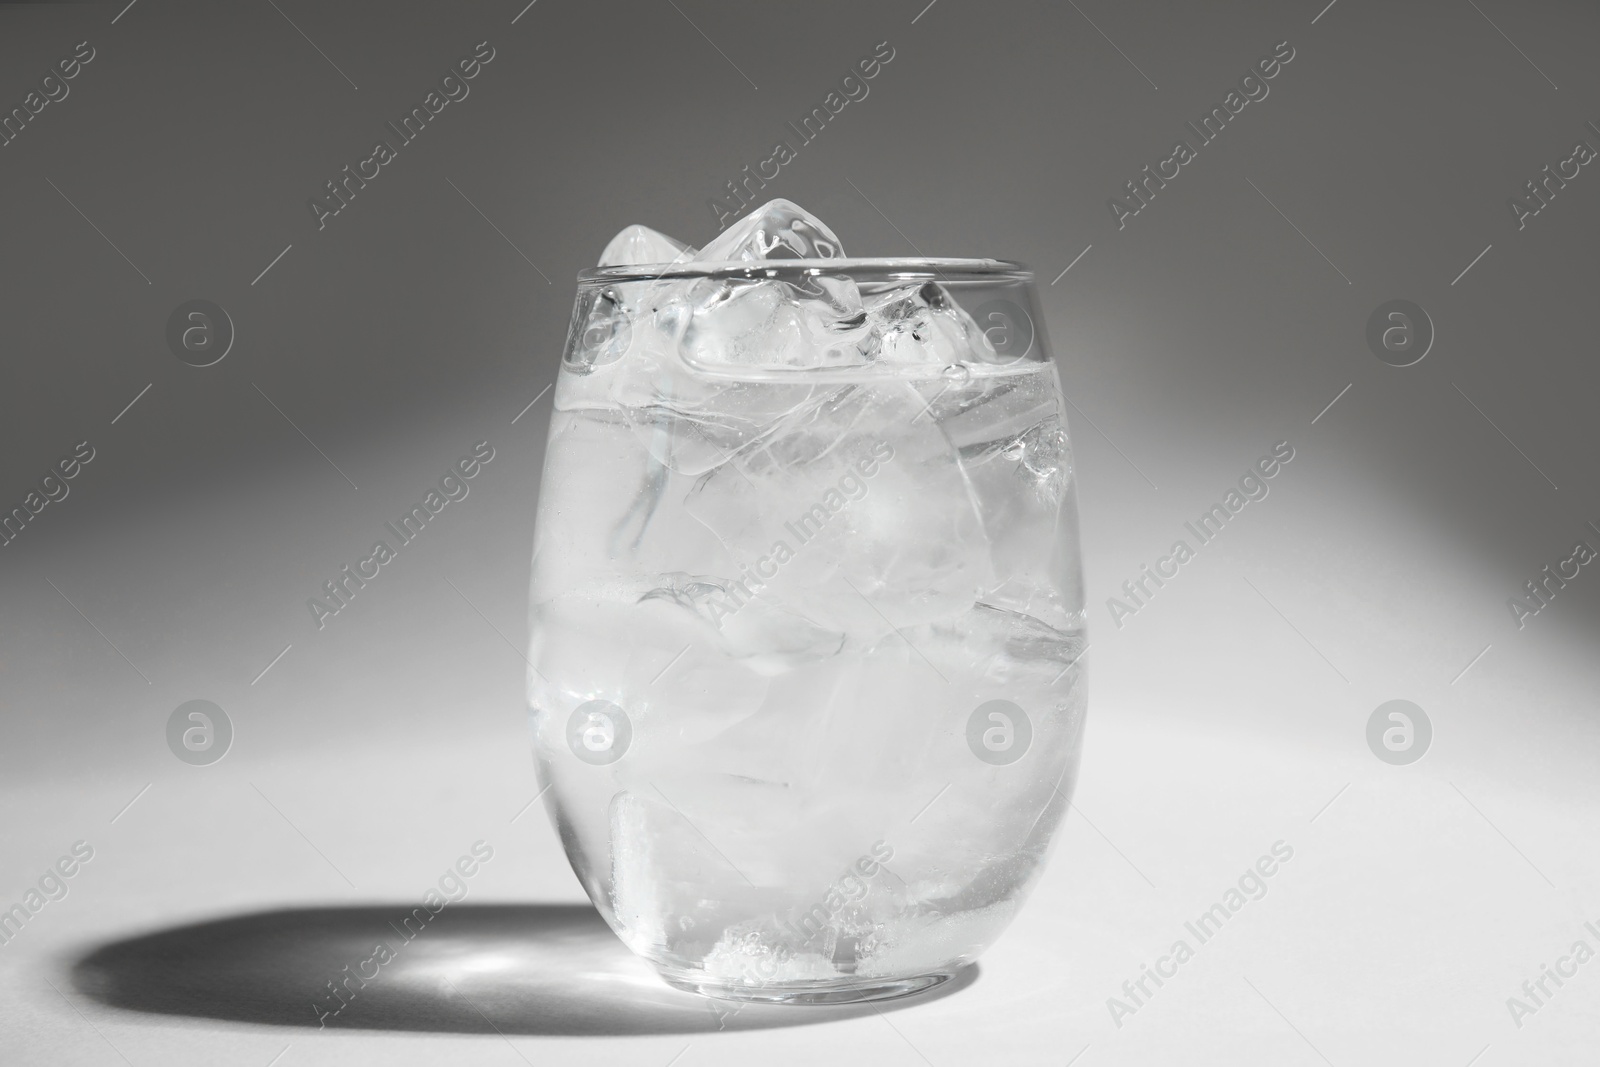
[[800, 239]]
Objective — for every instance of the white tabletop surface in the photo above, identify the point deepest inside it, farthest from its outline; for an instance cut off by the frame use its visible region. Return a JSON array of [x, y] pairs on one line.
[[1417, 899]]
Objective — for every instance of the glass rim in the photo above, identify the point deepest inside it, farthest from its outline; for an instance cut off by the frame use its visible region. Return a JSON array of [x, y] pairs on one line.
[[887, 268]]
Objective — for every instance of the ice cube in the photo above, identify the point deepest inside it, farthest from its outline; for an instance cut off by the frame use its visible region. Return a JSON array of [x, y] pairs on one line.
[[640, 245], [860, 725], [855, 512], [618, 522], [618, 320], [623, 354], [663, 665], [731, 819], [1012, 439], [770, 322], [738, 324], [778, 229], [772, 638], [923, 325], [660, 866], [691, 424], [756, 953], [918, 942], [601, 331], [1008, 650], [628, 340]]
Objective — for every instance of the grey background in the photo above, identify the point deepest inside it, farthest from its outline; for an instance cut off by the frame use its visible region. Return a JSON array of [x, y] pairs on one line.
[[1222, 319]]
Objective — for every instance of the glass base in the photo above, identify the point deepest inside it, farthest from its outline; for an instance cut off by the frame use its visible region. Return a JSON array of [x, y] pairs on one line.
[[829, 991]]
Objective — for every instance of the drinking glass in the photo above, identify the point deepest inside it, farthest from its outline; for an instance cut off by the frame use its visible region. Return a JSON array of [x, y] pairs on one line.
[[806, 617]]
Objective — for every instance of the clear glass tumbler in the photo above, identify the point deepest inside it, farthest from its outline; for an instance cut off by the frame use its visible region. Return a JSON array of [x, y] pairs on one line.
[[806, 617]]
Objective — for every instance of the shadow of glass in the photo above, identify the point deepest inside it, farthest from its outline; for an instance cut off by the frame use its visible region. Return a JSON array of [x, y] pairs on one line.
[[551, 969]]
